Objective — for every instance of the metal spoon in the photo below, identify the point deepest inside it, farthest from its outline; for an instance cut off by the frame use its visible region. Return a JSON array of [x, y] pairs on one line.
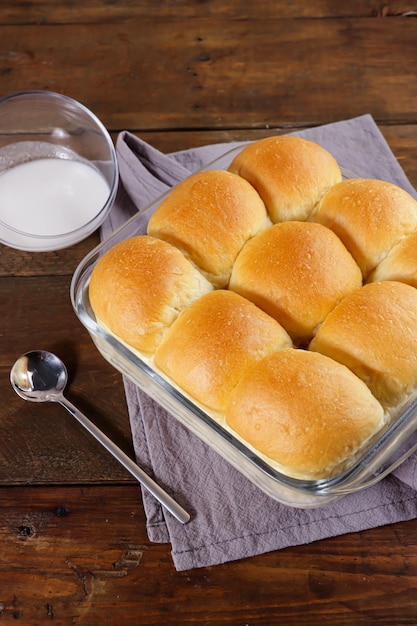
[[40, 376]]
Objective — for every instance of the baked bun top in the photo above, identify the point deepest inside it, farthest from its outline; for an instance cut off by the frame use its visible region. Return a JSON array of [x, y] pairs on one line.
[[374, 333], [289, 173], [400, 263], [139, 286], [212, 343], [297, 272], [209, 216], [370, 216], [304, 411]]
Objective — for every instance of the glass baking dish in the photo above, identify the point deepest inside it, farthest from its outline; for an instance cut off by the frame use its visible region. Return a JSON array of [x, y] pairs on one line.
[[395, 444]]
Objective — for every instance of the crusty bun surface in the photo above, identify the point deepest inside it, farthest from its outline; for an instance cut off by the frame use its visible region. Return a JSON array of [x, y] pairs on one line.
[[297, 272], [374, 333], [304, 411], [370, 216], [400, 263], [209, 216], [289, 173], [211, 345], [139, 286]]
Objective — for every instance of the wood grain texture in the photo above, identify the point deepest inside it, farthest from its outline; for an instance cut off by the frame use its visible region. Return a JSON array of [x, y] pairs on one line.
[[220, 73], [59, 263], [75, 555], [44, 443], [74, 548], [96, 11]]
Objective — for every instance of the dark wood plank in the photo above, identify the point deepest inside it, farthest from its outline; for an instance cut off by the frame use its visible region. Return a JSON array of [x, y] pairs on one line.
[[80, 555], [95, 11], [41, 442], [60, 263], [221, 74]]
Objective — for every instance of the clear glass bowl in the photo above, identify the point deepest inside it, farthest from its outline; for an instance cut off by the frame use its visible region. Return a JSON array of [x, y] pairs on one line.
[[386, 453], [58, 171]]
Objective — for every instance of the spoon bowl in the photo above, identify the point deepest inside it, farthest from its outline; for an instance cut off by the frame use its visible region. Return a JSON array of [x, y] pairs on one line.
[[40, 376]]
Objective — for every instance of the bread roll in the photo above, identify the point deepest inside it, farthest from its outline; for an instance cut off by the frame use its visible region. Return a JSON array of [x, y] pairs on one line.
[[400, 263], [139, 286], [209, 216], [370, 216], [374, 333], [211, 345], [289, 173], [297, 272], [304, 411]]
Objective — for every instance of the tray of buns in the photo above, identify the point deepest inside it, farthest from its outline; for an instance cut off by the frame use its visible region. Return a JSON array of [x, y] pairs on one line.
[[269, 303]]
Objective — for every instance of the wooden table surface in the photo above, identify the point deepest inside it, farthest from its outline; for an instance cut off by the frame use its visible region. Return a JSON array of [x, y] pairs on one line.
[[74, 548]]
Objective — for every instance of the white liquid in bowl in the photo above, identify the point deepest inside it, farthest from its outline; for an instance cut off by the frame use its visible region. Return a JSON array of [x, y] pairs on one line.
[[47, 198]]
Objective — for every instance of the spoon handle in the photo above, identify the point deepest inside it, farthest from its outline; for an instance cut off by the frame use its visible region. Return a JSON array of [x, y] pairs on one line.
[[162, 496]]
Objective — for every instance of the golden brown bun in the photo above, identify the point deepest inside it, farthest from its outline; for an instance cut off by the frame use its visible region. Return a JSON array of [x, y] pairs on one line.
[[304, 411], [210, 346], [138, 288], [209, 216], [370, 216], [374, 333], [400, 263], [289, 173], [297, 272]]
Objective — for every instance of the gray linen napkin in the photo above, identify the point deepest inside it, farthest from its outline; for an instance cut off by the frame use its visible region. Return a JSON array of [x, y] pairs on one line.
[[232, 518]]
